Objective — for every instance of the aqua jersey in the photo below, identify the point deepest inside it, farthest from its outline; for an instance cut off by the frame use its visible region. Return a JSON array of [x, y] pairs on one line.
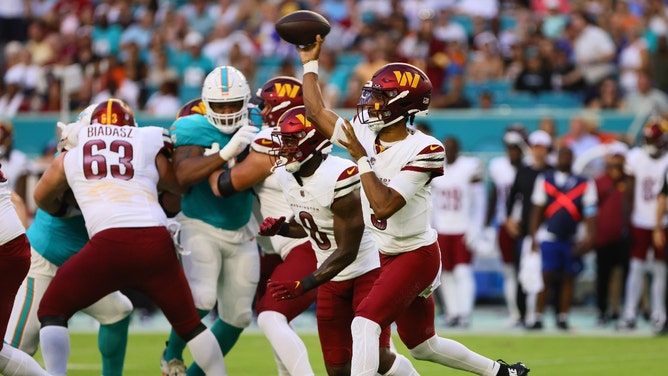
[[57, 239], [200, 203]]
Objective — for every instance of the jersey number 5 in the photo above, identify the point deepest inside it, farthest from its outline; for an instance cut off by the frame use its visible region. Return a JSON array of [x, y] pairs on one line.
[[96, 166]]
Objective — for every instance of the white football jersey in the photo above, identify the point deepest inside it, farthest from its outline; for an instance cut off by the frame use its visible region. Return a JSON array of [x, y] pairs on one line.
[[11, 224], [409, 228], [271, 201], [452, 195], [502, 173], [114, 178], [648, 173], [311, 205]]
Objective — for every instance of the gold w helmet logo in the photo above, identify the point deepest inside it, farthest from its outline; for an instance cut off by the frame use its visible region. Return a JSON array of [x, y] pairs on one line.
[[286, 90], [407, 78], [303, 120]]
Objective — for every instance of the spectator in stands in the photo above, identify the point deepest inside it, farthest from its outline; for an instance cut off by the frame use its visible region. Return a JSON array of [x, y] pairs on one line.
[[199, 16], [140, 32], [658, 63], [535, 77], [647, 99], [164, 102], [608, 96], [160, 71], [554, 22], [447, 30], [622, 18], [612, 236], [422, 49], [486, 100], [486, 63], [375, 52], [455, 97], [191, 64], [593, 49], [633, 58], [106, 36], [566, 76]]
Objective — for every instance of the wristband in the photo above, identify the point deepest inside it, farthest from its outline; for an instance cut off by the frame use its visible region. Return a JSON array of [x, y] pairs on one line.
[[311, 66], [309, 282], [363, 165]]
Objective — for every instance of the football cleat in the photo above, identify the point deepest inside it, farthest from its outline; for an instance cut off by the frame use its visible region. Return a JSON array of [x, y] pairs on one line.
[[626, 324], [516, 369], [173, 367]]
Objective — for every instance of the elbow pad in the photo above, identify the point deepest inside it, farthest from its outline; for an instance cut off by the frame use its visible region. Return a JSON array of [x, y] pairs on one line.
[[225, 186]]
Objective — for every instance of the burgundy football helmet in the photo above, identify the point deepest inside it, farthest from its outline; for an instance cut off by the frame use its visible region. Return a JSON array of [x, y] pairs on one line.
[[655, 136], [299, 140], [278, 95], [396, 91], [193, 106], [113, 112]]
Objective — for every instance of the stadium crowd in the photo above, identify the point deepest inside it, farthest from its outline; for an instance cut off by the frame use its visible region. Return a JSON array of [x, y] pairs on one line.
[[152, 54], [544, 193]]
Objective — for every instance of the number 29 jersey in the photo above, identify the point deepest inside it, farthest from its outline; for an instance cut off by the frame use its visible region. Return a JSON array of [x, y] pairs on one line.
[[114, 178], [311, 204]]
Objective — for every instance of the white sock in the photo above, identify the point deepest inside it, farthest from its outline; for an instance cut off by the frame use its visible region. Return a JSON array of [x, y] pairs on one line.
[[510, 290], [55, 342], [366, 338], [633, 288], [15, 362], [401, 367], [280, 367], [465, 290], [448, 290], [285, 342], [207, 354], [659, 292], [454, 355], [530, 316]]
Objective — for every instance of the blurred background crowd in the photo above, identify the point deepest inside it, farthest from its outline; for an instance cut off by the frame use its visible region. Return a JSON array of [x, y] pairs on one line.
[[608, 54]]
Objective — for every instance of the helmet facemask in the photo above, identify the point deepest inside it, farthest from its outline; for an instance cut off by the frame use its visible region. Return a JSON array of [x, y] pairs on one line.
[[226, 85]]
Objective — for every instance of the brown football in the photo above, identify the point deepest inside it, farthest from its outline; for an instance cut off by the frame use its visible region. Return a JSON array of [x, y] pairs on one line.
[[302, 26]]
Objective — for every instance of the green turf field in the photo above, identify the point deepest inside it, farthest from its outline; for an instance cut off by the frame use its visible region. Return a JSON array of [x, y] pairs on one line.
[[561, 355]]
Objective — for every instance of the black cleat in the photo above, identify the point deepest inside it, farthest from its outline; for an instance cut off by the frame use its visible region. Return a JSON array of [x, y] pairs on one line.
[[562, 325], [517, 369]]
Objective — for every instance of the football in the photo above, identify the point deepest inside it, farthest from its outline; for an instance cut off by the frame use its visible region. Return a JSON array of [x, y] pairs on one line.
[[301, 27]]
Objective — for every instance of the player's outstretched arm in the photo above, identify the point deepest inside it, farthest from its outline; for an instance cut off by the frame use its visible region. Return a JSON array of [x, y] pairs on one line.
[[51, 188], [323, 118], [191, 165], [252, 170]]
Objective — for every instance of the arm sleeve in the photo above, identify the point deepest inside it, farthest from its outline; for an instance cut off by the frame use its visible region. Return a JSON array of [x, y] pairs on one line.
[[407, 182]]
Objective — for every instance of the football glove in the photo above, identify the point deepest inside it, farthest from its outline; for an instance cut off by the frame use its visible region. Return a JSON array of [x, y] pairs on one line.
[[69, 135], [285, 290], [238, 142], [271, 226]]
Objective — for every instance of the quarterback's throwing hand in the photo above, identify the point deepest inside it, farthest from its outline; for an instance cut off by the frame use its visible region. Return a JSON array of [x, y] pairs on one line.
[[355, 149], [238, 142], [270, 226], [285, 290]]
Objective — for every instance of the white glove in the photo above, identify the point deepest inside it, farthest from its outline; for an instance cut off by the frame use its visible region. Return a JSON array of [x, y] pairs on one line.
[[69, 135], [471, 238], [238, 142], [530, 275], [214, 149]]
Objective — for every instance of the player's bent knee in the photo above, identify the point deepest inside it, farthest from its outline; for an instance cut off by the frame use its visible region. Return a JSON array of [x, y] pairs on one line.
[[423, 351], [240, 320], [269, 319], [50, 320], [205, 301], [111, 309]]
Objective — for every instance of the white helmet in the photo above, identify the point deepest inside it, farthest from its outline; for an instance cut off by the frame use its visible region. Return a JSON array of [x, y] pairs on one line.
[[226, 84]]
